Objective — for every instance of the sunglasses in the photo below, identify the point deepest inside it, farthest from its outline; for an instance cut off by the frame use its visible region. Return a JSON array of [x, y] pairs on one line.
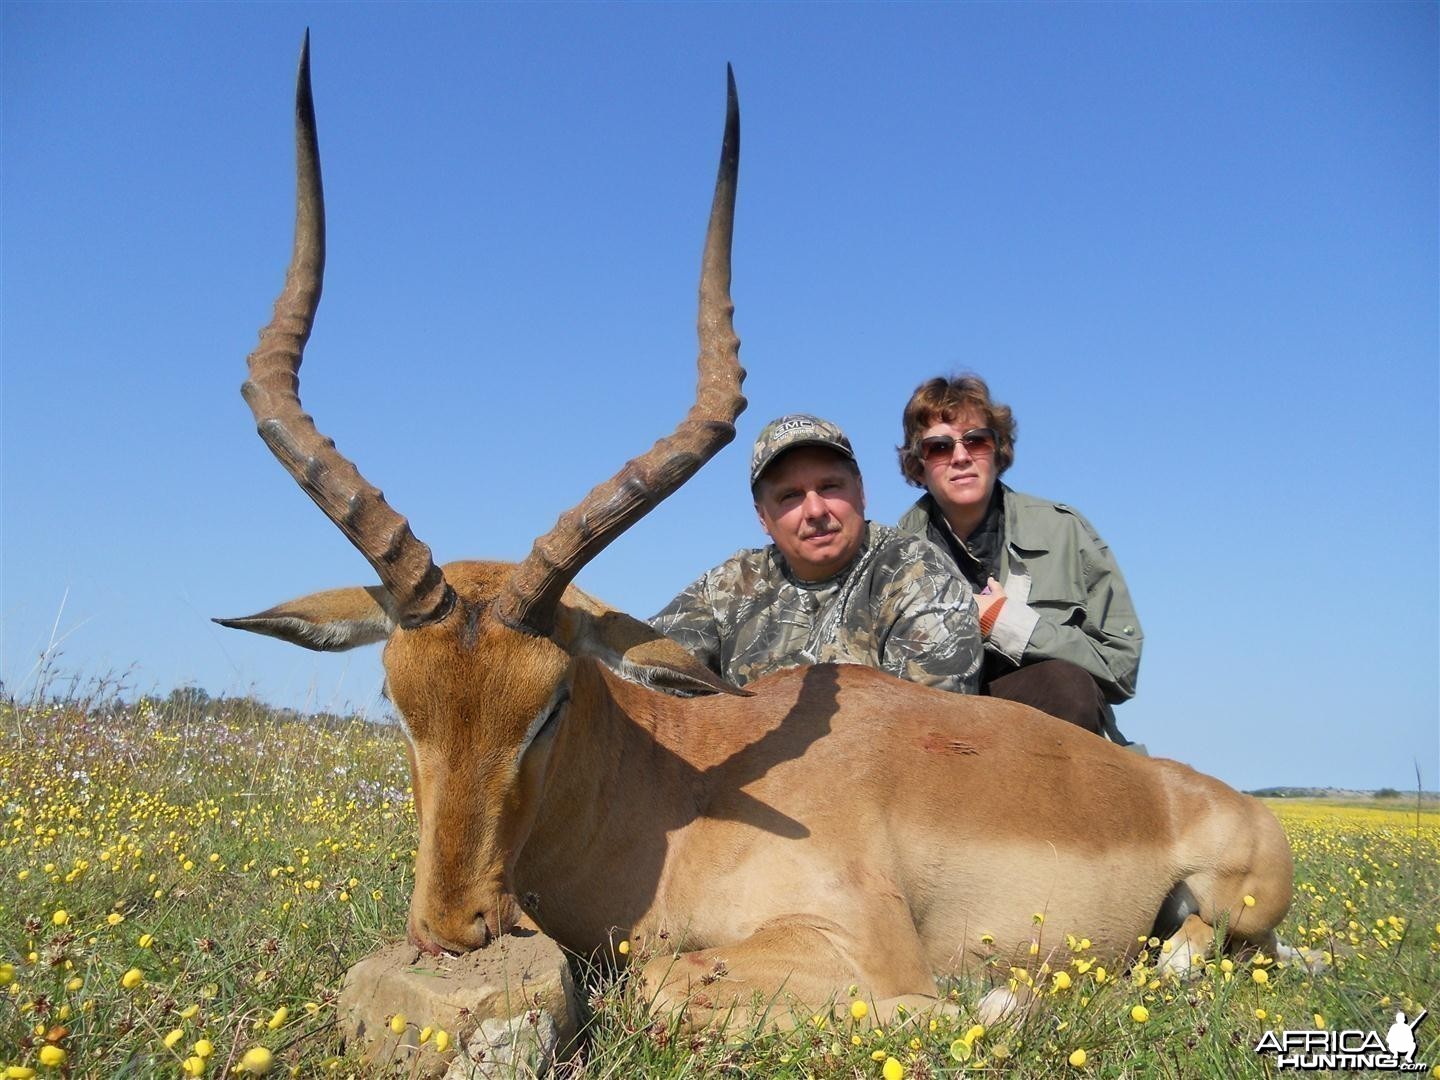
[[978, 442]]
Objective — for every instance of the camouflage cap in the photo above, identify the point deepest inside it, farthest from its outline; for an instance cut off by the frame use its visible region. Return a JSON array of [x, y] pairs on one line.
[[788, 432]]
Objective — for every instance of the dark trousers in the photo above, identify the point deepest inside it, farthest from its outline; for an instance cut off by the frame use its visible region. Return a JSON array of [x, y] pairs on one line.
[[1057, 687]]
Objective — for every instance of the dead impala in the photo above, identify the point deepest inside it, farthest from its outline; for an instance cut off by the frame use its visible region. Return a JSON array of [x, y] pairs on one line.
[[835, 827]]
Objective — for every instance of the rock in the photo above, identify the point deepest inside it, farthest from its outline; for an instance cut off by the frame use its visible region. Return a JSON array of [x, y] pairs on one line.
[[509, 1009]]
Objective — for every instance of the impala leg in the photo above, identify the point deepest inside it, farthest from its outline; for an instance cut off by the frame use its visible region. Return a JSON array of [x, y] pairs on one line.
[[1179, 951], [787, 972]]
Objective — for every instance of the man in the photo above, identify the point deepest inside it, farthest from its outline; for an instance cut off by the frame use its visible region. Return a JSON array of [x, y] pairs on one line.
[[1060, 630], [831, 587]]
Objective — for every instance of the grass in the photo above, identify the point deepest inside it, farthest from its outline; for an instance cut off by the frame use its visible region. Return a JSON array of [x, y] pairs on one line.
[[188, 875]]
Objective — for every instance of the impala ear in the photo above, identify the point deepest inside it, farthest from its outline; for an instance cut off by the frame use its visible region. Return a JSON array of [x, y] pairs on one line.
[[633, 650], [329, 621]]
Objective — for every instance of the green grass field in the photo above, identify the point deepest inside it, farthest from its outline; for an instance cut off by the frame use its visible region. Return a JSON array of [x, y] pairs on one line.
[[186, 882]]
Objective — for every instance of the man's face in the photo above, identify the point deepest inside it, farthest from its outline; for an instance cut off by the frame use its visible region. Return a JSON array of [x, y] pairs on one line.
[[962, 479], [812, 505]]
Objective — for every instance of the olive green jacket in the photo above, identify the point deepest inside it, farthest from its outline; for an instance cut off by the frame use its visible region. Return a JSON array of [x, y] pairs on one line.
[[1065, 596]]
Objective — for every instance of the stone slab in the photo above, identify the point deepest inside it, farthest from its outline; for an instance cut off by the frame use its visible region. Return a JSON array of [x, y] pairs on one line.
[[510, 1006]]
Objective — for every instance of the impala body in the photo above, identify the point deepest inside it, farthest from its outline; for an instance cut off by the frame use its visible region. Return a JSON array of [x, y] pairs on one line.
[[828, 826]]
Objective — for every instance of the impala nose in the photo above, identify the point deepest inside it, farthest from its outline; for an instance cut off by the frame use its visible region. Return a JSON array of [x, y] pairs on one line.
[[449, 935]]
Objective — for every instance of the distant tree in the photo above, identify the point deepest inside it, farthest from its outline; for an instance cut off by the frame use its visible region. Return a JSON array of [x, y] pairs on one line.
[[187, 699], [1387, 793]]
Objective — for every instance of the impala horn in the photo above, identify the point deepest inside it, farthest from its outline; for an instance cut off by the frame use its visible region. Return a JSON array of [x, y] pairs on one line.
[[404, 564], [534, 589]]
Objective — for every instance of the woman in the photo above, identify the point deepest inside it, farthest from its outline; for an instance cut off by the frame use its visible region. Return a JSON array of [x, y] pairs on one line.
[[1059, 627]]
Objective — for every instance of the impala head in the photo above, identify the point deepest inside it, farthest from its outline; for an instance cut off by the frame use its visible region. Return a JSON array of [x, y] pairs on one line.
[[480, 657]]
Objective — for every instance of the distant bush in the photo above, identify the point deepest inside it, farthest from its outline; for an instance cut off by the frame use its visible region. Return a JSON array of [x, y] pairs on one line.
[[1387, 793]]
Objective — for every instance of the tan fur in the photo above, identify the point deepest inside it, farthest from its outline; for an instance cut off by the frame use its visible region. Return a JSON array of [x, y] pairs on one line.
[[839, 827]]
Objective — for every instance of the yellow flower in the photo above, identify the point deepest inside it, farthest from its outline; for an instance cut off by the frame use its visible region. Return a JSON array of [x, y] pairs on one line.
[[60, 918], [1034, 948], [132, 978], [425, 1034], [1319, 1020], [114, 918], [173, 1038], [442, 1041], [1260, 1014], [892, 1069], [1038, 917], [75, 984], [281, 1015], [1062, 980], [1077, 1059], [878, 1055], [961, 1050], [1260, 975], [397, 1023], [193, 1066], [7, 974], [189, 1012], [1140, 1014], [146, 940], [1249, 900], [204, 1048], [257, 1061], [52, 1057], [20, 1072], [858, 1009], [623, 948]]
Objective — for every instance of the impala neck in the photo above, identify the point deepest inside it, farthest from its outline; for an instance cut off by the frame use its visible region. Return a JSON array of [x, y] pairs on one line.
[[616, 791]]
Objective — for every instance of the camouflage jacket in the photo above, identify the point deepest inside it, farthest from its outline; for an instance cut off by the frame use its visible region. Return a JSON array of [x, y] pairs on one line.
[[899, 607]]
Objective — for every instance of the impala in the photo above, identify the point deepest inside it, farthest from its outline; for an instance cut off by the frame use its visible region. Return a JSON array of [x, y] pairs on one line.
[[833, 827]]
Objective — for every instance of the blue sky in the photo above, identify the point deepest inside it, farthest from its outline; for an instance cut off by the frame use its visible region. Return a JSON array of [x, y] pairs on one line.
[[1194, 246]]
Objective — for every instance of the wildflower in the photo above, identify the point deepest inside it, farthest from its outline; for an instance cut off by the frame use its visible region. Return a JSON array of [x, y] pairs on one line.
[[146, 940], [961, 1050], [114, 918], [75, 984], [60, 918], [878, 1055], [203, 1048], [1077, 1059], [442, 1041], [989, 939], [623, 948], [858, 1009], [1062, 981], [20, 1072], [1038, 918], [174, 1037], [1260, 1014], [52, 1057], [1260, 975], [282, 1014], [397, 1023], [1249, 900], [1140, 1014], [257, 1061], [132, 978], [1100, 975], [425, 1034], [1319, 1020], [892, 1069], [7, 974], [190, 1012], [193, 1066]]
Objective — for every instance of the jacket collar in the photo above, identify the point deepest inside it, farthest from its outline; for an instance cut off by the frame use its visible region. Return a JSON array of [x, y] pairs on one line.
[[1022, 530]]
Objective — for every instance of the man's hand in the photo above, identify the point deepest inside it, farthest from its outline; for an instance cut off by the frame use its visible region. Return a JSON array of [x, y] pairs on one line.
[[988, 600]]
